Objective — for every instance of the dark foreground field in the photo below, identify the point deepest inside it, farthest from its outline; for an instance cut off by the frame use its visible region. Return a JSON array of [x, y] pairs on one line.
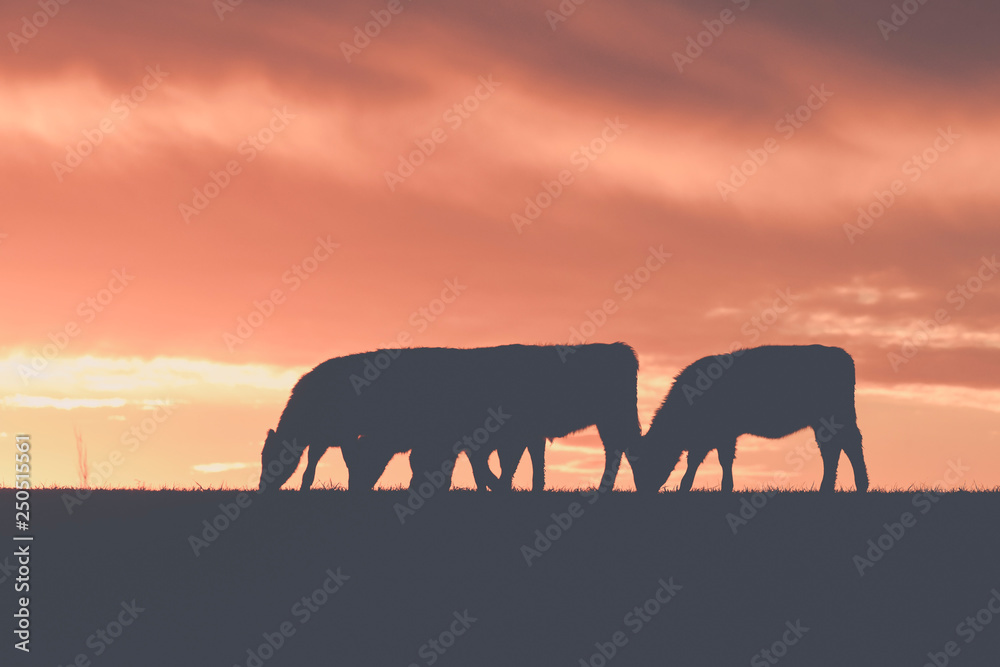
[[626, 583]]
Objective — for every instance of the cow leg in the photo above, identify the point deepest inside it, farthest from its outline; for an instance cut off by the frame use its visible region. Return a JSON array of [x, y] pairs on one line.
[[510, 456], [829, 448], [428, 465], [850, 440], [694, 459], [480, 461], [315, 453], [831, 458], [727, 454], [536, 450], [612, 461], [366, 459], [618, 438], [418, 466]]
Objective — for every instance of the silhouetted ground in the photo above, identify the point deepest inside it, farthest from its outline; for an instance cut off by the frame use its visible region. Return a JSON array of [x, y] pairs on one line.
[[790, 566]]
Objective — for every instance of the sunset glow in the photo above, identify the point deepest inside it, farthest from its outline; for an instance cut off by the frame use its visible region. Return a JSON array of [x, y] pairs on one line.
[[203, 204]]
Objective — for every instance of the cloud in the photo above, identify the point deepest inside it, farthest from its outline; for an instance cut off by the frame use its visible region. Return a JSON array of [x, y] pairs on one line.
[[559, 447], [939, 395], [222, 467], [92, 374], [22, 401]]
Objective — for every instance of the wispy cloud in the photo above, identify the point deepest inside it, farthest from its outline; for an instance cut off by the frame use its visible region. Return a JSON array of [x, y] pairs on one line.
[[223, 467], [22, 401], [942, 395], [71, 403], [89, 374]]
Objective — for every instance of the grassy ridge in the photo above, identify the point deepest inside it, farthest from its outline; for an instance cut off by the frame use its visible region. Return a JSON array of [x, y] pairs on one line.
[[695, 579]]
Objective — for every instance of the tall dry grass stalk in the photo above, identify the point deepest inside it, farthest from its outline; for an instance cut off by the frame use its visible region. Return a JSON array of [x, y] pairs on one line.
[[82, 467]]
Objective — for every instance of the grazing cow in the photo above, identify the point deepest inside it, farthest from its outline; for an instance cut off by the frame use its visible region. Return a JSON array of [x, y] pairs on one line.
[[769, 391], [444, 400]]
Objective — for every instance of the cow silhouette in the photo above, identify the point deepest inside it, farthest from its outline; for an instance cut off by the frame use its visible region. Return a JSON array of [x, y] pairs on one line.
[[769, 391], [439, 400]]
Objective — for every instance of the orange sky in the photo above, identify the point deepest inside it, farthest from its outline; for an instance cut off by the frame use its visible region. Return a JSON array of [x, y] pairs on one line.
[[168, 172]]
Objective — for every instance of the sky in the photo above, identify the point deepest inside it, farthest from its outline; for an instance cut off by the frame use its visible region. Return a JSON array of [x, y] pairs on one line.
[[203, 200]]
